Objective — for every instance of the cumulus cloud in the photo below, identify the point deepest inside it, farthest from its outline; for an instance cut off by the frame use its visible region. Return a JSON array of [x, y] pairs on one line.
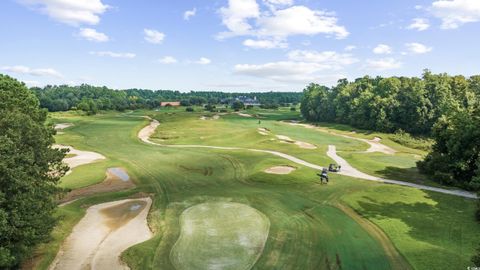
[[382, 49], [418, 48], [265, 44], [33, 71], [301, 66], [350, 48], [92, 35], [203, 61], [246, 17], [455, 13], [419, 24], [72, 12], [189, 13], [383, 64], [153, 36], [168, 60], [114, 54]]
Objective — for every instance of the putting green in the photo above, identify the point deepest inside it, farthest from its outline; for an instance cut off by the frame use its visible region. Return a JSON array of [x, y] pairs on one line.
[[220, 235]]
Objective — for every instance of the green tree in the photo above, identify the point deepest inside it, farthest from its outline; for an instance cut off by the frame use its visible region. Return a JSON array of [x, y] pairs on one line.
[[29, 172], [238, 105]]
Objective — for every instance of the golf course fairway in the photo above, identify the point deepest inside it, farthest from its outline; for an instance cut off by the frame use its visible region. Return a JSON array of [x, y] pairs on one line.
[[221, 235], [290, 221]]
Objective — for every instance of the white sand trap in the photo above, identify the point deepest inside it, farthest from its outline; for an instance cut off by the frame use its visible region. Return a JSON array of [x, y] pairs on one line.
[[63, 126], [304, 145], [80, 158], [220, 235], [215, 117], [280, 170], [244, 114], [148, 131], [105, 231], [263, 131]]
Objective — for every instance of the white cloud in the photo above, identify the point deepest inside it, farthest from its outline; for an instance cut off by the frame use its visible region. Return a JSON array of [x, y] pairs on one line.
[[301, 67], [245, 17], [203, 61], [168, 60], [189, 13], [235, 16], [92, 35], [153, 36], [265, 44], [418, 7], [33, 71], [455, 13], [300, 20], [72, 12], [383, 64], [418, 48], [330, 59], [114, 54], [382, 49], [350, 48], [419, 24]]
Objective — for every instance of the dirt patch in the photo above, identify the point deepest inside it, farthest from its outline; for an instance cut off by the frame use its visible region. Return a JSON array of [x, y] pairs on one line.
[[79, 158], [304, 145], [280, 170], [105, 231], [117, 179]]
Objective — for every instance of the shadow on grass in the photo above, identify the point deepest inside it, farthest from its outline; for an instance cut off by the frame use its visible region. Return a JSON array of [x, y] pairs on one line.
[[405, 174]]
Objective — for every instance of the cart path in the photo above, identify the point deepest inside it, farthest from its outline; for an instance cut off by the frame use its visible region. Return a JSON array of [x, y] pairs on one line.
[[347, 169]]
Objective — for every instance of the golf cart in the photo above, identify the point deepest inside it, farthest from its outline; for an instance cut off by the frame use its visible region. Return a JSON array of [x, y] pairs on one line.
[[334, 168]]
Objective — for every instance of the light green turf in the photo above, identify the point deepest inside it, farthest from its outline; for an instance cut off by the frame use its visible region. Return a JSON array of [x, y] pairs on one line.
[[220, 235], [307, 230]]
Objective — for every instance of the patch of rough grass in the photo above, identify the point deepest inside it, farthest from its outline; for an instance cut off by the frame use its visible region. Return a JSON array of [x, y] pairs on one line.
[[220, 235]]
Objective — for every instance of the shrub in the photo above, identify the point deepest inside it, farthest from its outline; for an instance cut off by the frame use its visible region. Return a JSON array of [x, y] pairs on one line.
[[293, 109], [189, 109]]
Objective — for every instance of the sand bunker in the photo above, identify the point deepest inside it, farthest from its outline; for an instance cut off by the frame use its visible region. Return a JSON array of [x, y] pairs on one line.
[[215, 117], [105, 231], [280, 170], [63, 126], [117, 179], [244, 114], [263, 131], [220, 235], [148, 131], [375, 145], [304, 145], [79, 158]]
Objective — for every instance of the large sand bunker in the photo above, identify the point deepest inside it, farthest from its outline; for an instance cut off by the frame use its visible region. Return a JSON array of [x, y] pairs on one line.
[[263, 131], [148, 131], [79, 158], [215, 117], [300, 144], [375, 145], [106, 230], [220, 235], [63, 126], [280, 170], [117, 179], [244, 114]]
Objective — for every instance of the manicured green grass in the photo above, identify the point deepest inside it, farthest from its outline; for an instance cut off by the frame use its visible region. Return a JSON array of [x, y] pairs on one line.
[[307, 230], [220, 235]]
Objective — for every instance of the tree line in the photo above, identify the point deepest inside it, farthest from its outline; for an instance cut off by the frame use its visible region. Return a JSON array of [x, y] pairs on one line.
[[440, 106], [92, 98]]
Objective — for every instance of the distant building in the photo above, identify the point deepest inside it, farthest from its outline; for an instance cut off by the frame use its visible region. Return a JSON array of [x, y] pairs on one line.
[[170, 103], [248, 101]]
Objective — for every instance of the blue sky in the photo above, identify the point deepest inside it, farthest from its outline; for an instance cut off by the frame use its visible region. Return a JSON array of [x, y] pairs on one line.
[[234, 45]]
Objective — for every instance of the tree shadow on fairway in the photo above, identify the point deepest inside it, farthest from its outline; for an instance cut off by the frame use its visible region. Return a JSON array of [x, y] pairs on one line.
[[406, 174], [437, 233]]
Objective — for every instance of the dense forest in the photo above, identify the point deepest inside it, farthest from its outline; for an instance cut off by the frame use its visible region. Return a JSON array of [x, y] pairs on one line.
[[90, 98], [440, 106]]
